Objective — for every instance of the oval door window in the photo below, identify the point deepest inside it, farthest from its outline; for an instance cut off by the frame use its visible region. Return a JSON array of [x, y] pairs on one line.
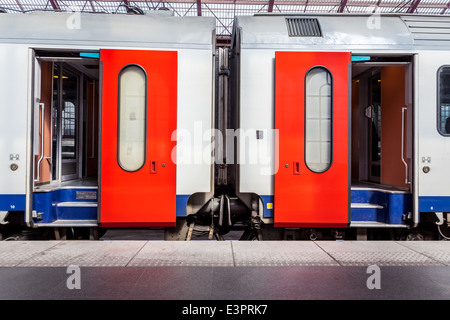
[[318, 119], [132, 118]]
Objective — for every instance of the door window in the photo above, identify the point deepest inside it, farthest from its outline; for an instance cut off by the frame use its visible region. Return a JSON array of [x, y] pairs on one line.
[[318, 120], [132, 118]]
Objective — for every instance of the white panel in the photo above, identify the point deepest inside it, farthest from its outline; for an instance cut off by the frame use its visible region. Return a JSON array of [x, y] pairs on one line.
[[431, 144], [194, 121], [13, 117], [114, 29], [257, 113]]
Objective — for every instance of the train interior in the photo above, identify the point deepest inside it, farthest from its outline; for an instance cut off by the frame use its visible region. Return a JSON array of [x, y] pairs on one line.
[[381, 142], [66, 150]]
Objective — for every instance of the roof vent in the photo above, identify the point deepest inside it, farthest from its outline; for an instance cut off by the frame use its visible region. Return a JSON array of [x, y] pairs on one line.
[[303, 27]]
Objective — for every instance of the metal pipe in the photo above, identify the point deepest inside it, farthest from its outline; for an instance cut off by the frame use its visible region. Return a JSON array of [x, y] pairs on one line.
[[404, 109], [38, 167]]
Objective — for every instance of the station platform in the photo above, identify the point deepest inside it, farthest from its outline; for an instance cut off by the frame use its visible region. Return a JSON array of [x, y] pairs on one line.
[[217, 270]]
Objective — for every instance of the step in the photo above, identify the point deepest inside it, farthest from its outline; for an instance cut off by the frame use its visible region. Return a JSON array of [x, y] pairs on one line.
[[366, 206], [77, 204], [367, 212], [375, 224], [69, 223]]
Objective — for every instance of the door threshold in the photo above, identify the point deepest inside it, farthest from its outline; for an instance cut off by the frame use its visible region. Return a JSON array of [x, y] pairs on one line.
[[84, 183], [366, 185]]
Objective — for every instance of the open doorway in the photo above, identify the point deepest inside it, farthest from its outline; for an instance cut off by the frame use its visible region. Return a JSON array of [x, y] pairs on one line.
[[382, 122], [65, 118]]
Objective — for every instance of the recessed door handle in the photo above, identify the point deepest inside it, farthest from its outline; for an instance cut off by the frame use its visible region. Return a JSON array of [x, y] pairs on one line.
[[296, 167], [154, 167]]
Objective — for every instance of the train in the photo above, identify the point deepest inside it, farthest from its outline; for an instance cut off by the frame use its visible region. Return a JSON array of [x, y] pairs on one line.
[[308, 126]]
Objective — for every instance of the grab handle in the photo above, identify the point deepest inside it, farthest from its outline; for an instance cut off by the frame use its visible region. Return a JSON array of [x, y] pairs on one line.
[[296, 167], [404, 110], [38, 167], [154, 167]]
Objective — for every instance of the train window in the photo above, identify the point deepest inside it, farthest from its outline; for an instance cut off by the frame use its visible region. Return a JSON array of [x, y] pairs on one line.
[[132, 117], [444, 100], [318, 120]]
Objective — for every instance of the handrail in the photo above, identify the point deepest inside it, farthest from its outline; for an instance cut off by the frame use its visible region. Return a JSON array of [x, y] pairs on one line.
[[38, 167], [404, 110]]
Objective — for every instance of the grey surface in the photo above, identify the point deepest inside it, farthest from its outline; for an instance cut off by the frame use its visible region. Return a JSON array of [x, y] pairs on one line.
[[224, 283], [149, 253], [194, 253], [381, 253], [280, 253], [225, 270]]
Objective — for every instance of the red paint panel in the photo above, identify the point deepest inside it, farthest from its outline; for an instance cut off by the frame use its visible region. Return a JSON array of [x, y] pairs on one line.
[[146, 197], [304, 198]]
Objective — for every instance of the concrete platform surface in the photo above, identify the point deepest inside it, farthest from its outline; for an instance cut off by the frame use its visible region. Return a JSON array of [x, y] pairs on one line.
[[212, 270], [139, 253]]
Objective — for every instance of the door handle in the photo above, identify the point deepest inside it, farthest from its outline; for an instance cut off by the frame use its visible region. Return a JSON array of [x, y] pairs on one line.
[[154, 167], [296, 167]]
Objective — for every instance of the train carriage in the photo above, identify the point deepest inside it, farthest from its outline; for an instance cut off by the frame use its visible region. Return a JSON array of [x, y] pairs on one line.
[[311, 126], [358, 109], [96, 116]]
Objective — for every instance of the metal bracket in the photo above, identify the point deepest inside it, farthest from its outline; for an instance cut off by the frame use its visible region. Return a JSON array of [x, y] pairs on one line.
[[191, 229], [3, 215], [440, 216]]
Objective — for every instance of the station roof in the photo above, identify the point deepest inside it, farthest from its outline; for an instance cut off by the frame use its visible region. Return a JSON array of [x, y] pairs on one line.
[[225, 10]]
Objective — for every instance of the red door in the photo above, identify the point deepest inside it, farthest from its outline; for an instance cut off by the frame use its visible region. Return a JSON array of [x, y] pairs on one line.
[[312, 116], [139, 112]]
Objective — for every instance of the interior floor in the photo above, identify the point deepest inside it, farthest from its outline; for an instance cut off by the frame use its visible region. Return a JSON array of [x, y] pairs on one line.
[[377, 186], [77, 183]]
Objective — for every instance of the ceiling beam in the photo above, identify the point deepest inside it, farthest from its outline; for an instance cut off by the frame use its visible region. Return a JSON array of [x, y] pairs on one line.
[[55, 5], [270, 7], [332, 3], [199, 8], [445, 9], [20, 5], [92, 5], [342, 6], [377, 6], [413, 7]]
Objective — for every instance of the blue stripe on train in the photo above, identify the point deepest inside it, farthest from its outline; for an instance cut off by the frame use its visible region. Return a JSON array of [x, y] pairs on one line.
[[395, 205], [434, 204], [12, 202]]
